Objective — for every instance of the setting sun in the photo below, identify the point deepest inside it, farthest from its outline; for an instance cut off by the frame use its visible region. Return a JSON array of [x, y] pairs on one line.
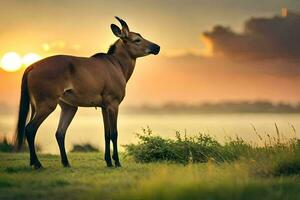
[[11, 62], [30, 58]]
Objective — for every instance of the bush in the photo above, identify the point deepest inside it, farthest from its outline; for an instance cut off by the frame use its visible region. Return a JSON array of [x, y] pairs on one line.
[[202, 148], [288, 166], [5, 146], [236, 148], [183, 149], [154, 148], [8, 146], [84, 148]]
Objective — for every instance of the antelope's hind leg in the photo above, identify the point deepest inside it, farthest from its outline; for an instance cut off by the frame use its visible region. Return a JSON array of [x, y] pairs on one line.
[[66, 116], [42, 111]]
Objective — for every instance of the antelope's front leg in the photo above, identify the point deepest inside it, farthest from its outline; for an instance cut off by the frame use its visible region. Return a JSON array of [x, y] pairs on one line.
[[110, 116], [107, 137]]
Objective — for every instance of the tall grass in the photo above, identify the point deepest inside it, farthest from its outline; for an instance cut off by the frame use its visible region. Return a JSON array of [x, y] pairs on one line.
[[277, 155]]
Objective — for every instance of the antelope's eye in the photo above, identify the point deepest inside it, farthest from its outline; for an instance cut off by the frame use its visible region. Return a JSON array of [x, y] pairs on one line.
[[137, 41]]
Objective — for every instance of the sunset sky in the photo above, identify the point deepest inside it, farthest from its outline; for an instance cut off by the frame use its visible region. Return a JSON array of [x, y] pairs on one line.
[[210, 50]]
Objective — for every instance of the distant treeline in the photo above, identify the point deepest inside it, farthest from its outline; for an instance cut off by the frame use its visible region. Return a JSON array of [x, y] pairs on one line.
[[223, 107], [182, 108]]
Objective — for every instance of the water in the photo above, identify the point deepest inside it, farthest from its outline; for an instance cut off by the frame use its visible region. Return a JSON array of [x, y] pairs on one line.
[[87, 126]]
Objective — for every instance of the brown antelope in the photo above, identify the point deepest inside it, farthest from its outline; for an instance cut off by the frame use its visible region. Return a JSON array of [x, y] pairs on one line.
[[72, 82]]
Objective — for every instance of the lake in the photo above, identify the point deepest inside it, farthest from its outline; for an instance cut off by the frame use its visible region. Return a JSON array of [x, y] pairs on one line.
[[87, 126]]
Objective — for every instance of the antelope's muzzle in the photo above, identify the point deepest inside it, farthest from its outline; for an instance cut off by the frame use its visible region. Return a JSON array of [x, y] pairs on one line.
[[154, 49]]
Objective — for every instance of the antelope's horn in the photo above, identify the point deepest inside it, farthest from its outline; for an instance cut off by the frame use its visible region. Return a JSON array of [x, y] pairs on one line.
[[123, 23]]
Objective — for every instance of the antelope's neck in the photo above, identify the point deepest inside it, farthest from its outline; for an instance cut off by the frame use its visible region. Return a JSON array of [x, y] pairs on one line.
[[126, 62]]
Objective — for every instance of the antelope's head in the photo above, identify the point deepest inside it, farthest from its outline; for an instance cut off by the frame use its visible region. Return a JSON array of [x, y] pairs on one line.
[[134, 43]]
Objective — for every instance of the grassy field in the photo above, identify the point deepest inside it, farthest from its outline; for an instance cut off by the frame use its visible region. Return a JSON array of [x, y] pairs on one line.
[[196, 167], [88, 178]]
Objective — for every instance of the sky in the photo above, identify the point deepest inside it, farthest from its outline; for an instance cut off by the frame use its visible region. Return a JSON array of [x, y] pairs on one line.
[[211, 50]]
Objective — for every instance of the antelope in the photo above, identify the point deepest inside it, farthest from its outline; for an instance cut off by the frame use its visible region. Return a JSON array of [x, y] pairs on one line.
[[72, 82]]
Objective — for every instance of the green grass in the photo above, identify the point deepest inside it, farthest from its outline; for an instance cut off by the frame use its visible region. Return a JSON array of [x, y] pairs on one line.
[[197, 167], [88, 178]]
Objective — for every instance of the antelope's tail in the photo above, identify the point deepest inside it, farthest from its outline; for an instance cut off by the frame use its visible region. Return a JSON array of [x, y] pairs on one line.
[[23, 112]]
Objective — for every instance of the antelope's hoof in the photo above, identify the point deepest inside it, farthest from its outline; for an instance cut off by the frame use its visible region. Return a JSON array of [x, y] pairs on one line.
[[118, 164], [37, 165], [66, 165], [109, 164]]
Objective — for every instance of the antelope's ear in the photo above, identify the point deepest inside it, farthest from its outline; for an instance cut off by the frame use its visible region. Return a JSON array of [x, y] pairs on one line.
[[116, 30]]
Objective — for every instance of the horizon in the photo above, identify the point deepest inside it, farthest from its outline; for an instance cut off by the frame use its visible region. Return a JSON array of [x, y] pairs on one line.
[[197, 108]]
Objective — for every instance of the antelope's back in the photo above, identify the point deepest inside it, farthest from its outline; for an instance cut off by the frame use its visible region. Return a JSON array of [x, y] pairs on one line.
[[54, 75]]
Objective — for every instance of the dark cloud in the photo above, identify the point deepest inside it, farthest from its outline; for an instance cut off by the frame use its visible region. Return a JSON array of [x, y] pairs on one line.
[[262, 38]]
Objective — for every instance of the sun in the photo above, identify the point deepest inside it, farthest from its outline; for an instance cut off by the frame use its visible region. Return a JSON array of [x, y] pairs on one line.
[[30, 58], [11, 62]]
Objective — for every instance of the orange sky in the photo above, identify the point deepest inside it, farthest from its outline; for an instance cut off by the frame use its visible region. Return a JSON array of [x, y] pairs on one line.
[[182, 72], [199, 81]]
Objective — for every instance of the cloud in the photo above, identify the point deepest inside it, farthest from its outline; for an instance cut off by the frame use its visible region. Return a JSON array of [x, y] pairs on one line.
[[262, 39]]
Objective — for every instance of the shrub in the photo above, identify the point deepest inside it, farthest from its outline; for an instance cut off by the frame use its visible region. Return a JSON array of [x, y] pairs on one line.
[[202, 148], [154, 148], [8, 146], [235, 148], [183, 149], [288, 166], [5, 146], [84, 148], [288, 163]]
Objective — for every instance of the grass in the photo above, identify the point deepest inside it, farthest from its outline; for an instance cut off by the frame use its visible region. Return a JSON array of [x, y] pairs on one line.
[[90, 179], [196, 167]]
